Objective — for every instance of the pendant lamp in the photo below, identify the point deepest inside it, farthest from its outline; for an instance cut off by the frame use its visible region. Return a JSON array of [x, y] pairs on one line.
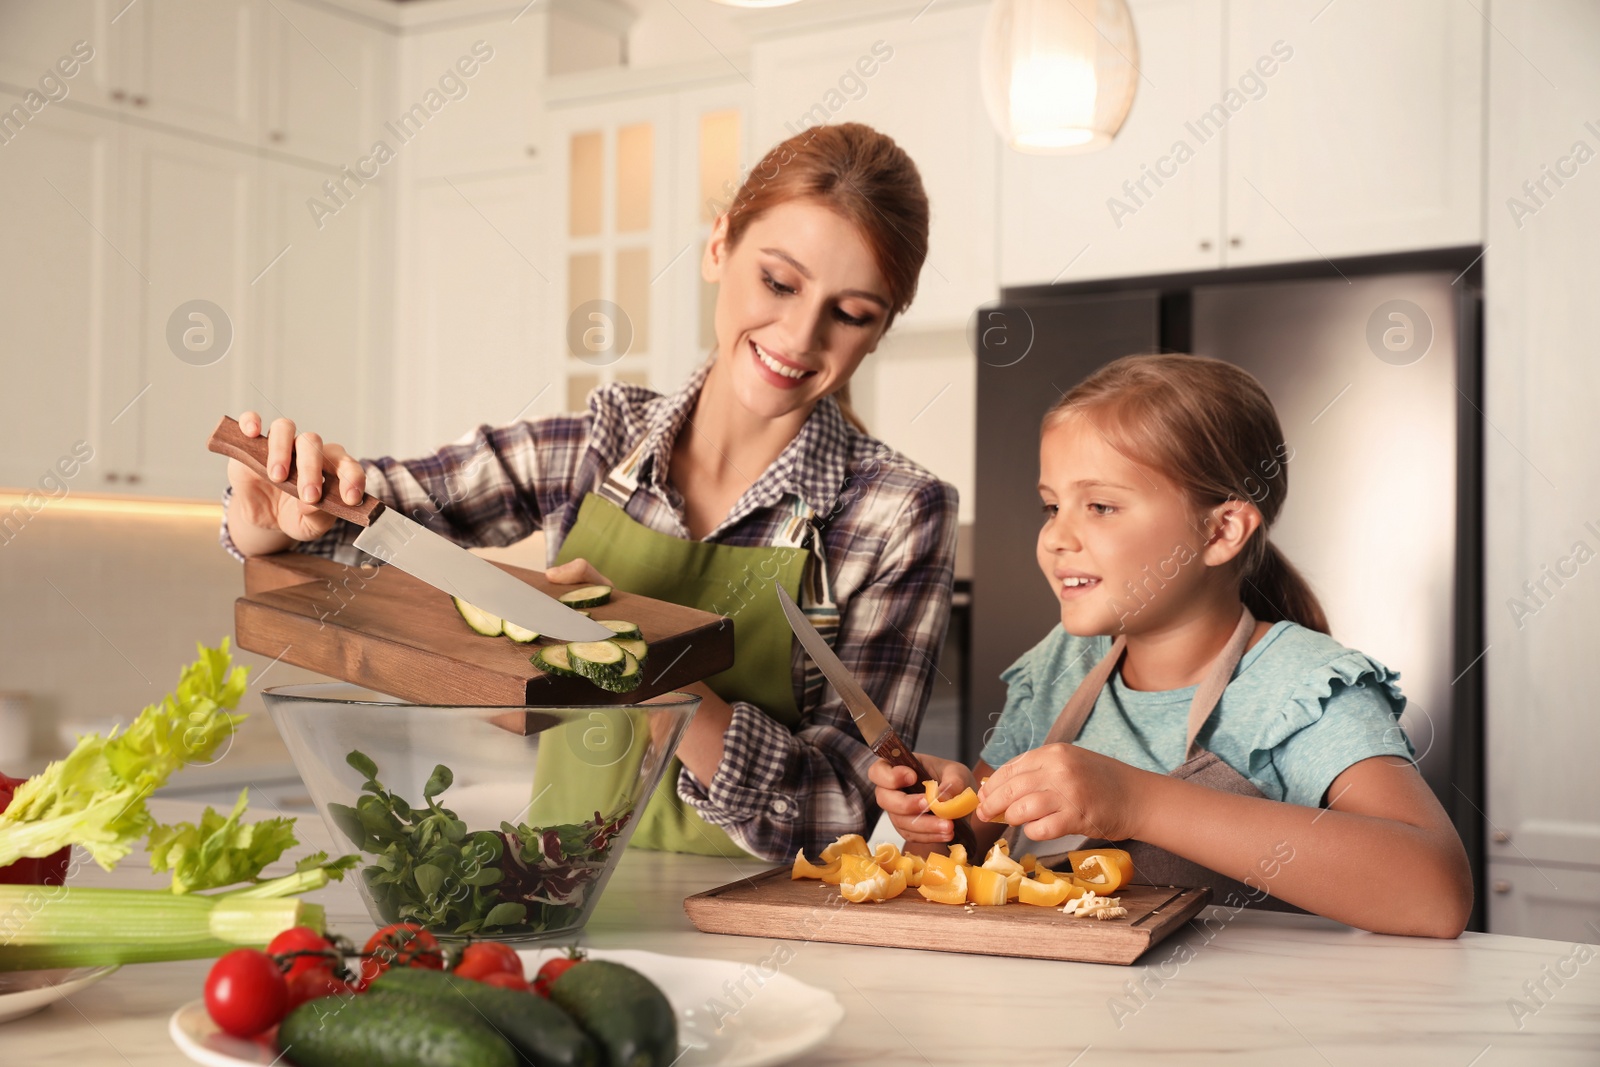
[[1059, 75]]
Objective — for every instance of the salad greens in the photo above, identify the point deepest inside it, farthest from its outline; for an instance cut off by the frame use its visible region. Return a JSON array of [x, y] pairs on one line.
[[428, 867]]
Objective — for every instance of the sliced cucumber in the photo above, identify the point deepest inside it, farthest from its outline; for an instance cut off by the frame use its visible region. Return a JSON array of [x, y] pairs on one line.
[[621, 628], [521, 635], [589, 596], [633, 646], [552, 659], [480, 621], [630, 677], [596, 660]]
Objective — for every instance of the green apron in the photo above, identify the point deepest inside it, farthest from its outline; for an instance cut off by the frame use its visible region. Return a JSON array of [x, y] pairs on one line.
[[727, 580]]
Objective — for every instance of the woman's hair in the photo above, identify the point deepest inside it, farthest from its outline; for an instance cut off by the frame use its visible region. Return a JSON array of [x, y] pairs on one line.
[[865, 178], [1209, 427]]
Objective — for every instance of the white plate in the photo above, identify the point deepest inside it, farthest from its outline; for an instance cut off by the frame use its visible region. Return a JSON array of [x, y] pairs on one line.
[[729, 1014], [25, 992]]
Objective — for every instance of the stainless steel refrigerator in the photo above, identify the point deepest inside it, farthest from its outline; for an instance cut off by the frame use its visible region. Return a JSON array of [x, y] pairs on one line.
[[1373, 366]]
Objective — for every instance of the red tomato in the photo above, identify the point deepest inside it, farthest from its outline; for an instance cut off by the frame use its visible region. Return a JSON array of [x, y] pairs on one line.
[[405, 944], [481, 959], [503, 980], [553, 969], [303, 939], [313, 984], [246, 993]]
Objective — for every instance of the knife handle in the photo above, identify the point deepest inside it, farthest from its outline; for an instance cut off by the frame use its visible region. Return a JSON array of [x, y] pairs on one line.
[[892, 750], [228, 440]]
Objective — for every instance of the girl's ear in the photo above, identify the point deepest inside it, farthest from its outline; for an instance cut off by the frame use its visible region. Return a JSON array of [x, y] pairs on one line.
[[1231, 523], [715, 256]]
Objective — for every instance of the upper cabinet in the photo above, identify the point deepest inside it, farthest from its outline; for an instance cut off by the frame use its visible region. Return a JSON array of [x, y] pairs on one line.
[[470, 96], [915, 79], [1265, 131], [188, 63], [323, 83], [1368, 139]]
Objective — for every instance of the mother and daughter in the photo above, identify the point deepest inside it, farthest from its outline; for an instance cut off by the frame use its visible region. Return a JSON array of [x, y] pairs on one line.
[[1219, 730]]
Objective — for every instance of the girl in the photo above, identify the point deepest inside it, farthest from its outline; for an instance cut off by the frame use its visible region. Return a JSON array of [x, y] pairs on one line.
[[1222, 734], [755, 472]]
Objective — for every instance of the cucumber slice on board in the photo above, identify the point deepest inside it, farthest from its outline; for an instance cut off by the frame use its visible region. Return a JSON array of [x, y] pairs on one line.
[[620, 627], [552, 659], [596, 660], [480, 621], [588, 596], [521, 635], [633, 646]]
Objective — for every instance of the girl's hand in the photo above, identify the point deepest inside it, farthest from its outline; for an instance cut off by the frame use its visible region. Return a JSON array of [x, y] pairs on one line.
[[909, 811], [1055, 790], [576, 572], [261, 517]]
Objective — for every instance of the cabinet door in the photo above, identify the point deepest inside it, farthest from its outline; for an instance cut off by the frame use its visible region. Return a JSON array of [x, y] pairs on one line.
[[464, 123], [1150, 203], [34, 37], [190, 64], [323, 78], [1368, 139], [191, 364], [916, 81], [60, 284], [1557, 903]]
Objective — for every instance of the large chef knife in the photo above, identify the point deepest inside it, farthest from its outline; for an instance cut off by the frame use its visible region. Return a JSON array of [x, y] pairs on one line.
[[875, 729], [397, 540]]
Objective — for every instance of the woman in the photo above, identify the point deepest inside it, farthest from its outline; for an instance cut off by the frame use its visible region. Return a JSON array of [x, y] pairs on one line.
[[755, 472]]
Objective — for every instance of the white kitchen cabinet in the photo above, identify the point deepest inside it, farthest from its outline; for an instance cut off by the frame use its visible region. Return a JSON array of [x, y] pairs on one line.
[[917, 81], [1149, 203], [34, 37], [189, 64], [449, 121], [325, 80], [1544, 900], [61, 284], [1369, 139]]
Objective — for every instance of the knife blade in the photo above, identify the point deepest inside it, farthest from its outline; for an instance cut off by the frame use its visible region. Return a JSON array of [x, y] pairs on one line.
[[875, 729], [418, 551]]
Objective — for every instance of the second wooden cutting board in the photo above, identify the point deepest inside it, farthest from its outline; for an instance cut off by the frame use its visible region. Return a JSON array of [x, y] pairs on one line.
[[381, 628], [775, 905]]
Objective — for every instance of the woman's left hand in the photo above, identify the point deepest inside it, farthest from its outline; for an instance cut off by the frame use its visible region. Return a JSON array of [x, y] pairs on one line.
[[1060, 789], [576, 572]]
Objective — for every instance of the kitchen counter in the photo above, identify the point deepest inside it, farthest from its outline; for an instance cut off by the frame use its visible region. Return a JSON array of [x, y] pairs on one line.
[[1232, 989]]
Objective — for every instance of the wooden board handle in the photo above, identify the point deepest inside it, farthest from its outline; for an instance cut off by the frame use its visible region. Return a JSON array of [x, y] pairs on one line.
[[228, 440], [892, 750]]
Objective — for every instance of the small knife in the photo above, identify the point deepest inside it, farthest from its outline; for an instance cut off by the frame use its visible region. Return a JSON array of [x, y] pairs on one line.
[[414, 548], [875, 729]]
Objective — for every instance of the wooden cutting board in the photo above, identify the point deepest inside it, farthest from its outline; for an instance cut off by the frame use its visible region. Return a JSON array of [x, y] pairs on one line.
[[385, 630], [774, 905]]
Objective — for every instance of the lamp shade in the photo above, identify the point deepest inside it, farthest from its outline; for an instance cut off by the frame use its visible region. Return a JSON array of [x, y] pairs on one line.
[[1059, 75]]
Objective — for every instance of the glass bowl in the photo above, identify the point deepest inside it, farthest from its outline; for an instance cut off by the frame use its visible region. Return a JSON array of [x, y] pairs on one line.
[[502, 823]]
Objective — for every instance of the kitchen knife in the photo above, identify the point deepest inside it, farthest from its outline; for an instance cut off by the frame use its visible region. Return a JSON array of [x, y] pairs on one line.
[[875, 729], [415, 549]]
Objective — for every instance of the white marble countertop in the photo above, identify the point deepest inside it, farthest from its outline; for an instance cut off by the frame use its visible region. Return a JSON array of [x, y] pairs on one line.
[[1251, 989]]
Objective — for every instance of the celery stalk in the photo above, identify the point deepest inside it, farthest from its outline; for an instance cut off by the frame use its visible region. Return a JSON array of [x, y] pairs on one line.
[[43, 927]]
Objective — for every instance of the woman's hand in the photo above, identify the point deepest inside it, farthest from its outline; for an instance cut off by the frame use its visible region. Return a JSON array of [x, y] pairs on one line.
[[909, 811], [576, 572], [262, 518], [1055, 790]]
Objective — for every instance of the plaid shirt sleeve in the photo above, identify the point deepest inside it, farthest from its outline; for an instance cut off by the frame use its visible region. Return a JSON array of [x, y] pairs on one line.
[[493, 487], [776, 791]]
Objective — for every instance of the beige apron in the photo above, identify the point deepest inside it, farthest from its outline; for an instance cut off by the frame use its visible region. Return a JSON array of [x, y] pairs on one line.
[[1155, 866]]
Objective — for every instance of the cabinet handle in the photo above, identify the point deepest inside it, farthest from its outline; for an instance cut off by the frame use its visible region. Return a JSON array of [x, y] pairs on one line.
[[133, 479], [1235, 242], [1205, 246], [1502, 886], [275, 136], [533, 150], [140, 101], [1500, 837], [118, 95], [111, 476]]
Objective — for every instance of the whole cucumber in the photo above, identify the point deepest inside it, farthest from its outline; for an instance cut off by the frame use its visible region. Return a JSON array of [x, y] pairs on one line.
[[545, 1035], [396, 1031], [622, 1010]]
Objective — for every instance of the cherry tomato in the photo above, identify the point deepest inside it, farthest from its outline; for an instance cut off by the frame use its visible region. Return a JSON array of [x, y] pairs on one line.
[[310, 985], [246, 993], [405, 944], [503, 980], [481, 959], [553, 969], [303, 939]]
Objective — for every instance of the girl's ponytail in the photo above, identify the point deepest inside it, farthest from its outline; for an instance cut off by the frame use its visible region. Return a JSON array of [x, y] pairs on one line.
[[1276, 590]]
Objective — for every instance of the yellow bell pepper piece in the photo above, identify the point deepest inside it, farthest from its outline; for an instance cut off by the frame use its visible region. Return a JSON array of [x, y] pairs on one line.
[[848, 845], [940, 870], [912, 867], [858, 868], [1000, 848], [952, 892], [1105, 870], [877, 885], [959, 806], [958, 855], [1006, 867], [886, 855], [1029, 861], [1048, 894], [985, 886], [804, 868]]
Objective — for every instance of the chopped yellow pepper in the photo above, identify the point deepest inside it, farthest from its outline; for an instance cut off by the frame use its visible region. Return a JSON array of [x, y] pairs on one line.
[[912, 867], [874, 884], [985, 886], [804, 868], [1049, 894], [939, 870], [952, 892], [1105, 870], [959, 806], [848, 845], [886, 855], [1029, 861], [958, 855]]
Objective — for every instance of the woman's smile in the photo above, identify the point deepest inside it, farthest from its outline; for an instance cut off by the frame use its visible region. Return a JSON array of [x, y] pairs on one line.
[[778, 371]]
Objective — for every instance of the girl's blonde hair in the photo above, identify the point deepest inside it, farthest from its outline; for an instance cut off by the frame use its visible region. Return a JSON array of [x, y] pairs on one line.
[[1208, 427]]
